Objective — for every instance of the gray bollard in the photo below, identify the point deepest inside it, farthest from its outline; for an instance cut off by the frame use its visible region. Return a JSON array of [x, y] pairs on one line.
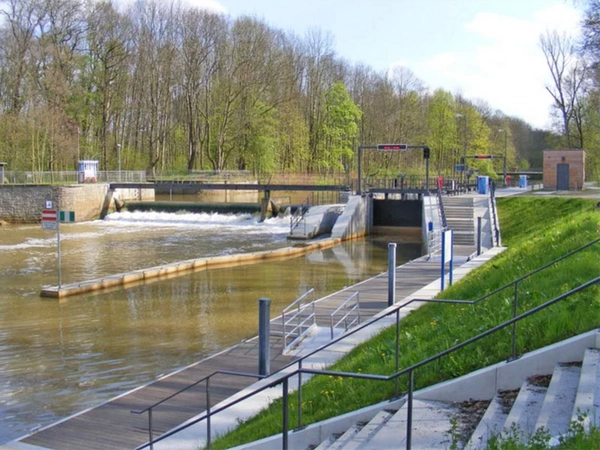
[[264, 331], [391, 274], [478, 236]]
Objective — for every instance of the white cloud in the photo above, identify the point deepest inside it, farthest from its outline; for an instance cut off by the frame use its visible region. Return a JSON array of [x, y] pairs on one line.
[[504, 65]]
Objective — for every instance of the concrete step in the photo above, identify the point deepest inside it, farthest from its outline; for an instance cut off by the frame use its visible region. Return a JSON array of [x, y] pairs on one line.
[[364, 435], [557, 407], [457, 201], [587, 401], [431, 423], [526, 409], [337, 442], [492, 421]]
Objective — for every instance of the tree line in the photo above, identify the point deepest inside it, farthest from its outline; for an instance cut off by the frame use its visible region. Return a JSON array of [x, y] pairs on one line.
[[171, 90]]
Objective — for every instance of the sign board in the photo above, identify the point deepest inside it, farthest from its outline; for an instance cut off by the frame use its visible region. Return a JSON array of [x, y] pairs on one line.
[[48, 204], [460, 167], [392, 147], [447, 256], [447, 251], [66, 216], [49, 219]]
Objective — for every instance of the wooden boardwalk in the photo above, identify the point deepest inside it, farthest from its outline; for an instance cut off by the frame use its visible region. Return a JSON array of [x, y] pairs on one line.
[[112, 425]]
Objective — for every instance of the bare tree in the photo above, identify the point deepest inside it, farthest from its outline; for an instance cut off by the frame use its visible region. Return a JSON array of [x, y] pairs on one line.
[[568, 76]]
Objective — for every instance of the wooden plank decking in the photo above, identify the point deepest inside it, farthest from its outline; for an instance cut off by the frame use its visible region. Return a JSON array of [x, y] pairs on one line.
[[113, 426]]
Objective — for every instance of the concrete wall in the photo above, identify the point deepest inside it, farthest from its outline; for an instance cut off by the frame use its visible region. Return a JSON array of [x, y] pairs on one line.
[[576, 161], [24, 203], [354, 220]]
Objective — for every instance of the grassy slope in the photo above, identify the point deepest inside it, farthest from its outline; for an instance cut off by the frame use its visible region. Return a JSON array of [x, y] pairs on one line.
[[536, 231]]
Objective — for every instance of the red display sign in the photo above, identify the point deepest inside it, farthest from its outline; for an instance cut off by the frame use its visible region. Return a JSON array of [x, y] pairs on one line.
[[392, 147]]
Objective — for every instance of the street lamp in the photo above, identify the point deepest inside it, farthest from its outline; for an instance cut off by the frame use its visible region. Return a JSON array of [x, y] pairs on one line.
[[504, 165], [119, 153], [458, 116]]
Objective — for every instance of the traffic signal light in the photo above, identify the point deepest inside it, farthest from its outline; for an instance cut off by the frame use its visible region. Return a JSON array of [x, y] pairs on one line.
[[425, 152]]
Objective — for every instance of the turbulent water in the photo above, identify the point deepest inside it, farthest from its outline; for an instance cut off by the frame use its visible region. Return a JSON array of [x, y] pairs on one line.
[[59, 357]]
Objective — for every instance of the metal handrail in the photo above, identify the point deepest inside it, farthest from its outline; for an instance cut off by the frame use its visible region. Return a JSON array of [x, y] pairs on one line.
[[441, 210], [494, 213], [207, 378], [348, 311], [299, 305], [394, 310], [299, 214], [284, 379]]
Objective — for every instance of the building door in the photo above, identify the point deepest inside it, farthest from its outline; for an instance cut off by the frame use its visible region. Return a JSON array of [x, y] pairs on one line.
[[562, 177]]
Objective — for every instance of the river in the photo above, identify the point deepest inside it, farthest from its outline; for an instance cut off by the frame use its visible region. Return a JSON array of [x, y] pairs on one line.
[[61, 356]]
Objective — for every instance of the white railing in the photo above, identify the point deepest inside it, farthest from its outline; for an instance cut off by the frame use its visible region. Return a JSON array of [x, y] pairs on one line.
[[298, 318], [434, 242], [351, 313]]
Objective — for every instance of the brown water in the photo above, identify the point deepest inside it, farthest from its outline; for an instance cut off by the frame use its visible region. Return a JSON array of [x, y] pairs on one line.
[[59, 357]]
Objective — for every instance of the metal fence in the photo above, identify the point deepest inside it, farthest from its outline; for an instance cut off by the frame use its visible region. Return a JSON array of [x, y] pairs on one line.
[[73, 176]]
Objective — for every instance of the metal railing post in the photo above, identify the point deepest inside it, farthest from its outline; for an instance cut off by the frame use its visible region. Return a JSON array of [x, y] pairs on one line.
[[208, 427], [479, 236], [409, 409], [285, 415], [514, 330], [397, 350], [300, 395], [150, 433]]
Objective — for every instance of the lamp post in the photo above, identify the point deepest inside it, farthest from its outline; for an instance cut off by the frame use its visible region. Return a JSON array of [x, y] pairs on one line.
[[458, 116], [119, 155], [501, 130]]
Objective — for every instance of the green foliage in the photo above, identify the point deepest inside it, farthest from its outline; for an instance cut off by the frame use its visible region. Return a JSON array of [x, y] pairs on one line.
[[340, 128], [536, 231]]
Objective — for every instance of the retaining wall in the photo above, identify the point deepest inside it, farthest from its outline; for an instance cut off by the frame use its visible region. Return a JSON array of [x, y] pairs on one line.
[[353, 223], [24, 203]]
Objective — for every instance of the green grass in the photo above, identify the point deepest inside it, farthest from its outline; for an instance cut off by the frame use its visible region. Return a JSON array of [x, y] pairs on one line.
[[536, 231]]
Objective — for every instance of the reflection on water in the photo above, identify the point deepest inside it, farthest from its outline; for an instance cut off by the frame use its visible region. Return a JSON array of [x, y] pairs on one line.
[[59, 357]]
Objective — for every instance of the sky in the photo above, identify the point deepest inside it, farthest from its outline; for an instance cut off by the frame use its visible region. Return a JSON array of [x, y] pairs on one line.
[[485, 50]]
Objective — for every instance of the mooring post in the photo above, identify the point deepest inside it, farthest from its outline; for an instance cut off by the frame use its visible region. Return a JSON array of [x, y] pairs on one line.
[[391, 274], [264, 331]]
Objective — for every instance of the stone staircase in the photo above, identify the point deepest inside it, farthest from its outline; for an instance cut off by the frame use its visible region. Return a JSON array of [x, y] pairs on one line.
[[549, 401], [547, 390], [460, 218]]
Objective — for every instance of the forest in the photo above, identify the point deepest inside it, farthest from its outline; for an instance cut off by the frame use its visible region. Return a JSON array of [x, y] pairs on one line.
[[172, 90]]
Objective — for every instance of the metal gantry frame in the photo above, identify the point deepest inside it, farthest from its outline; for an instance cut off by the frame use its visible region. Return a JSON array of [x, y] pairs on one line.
[[393, 147]]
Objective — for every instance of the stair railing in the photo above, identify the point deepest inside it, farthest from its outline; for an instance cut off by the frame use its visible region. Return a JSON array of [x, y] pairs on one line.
[[298, 318], [351, 316], [494, 214], [299, 215], [442, 212], [284, 379]]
